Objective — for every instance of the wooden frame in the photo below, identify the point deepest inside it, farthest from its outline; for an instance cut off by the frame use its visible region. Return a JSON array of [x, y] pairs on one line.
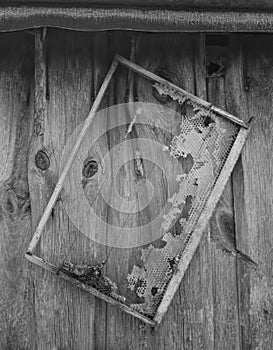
[[202, 221]]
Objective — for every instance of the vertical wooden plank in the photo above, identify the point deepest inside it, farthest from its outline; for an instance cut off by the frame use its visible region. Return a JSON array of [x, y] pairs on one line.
[[17, 322], [250, 93], [122, 330], [39, 162], [206, 264], [189, 322], [100, 65], [236, 100], [222, 227], [65, 315]]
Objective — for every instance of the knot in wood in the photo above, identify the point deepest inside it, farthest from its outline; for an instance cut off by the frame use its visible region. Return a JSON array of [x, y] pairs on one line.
[[90, 168], [41, 160]]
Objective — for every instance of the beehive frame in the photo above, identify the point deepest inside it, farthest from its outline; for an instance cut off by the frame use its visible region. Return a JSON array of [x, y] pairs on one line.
[[202, 222]]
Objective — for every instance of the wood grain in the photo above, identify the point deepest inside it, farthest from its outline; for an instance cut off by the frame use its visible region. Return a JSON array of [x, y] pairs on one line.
[[188, 323], [17, 322], [130, 18], [252, 185], [222, 225], [73, 153], [119, 325], [40, 312], [64, 314], [175, 63]]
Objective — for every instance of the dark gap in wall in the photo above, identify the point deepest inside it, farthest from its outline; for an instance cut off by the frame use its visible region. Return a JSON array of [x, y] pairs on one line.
[[217, 39], [217, 46]]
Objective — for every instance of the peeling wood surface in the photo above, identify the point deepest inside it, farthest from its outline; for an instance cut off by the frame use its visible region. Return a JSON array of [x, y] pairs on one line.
[[222, 302]]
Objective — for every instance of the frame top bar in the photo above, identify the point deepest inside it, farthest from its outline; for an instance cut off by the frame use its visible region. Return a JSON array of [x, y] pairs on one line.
[[153, 77]]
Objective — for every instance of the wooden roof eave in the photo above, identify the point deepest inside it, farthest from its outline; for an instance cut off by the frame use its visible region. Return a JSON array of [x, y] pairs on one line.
[[142, 19], [247, 5]]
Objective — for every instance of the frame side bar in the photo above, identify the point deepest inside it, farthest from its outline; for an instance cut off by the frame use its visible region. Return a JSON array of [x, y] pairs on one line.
[[201, 224], [151, 76], [73, 154]]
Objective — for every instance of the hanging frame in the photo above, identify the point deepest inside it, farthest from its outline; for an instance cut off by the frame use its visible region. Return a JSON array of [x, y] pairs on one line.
[[193, 237]]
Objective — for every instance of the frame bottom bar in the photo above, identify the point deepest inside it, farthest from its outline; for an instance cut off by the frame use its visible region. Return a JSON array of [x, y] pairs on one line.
[[49, 267]]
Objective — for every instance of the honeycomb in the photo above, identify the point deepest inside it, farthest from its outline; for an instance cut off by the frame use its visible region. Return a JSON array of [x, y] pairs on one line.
[[207, 137]]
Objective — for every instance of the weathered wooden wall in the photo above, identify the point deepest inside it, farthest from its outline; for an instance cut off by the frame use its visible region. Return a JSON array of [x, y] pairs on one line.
[[47, 87]]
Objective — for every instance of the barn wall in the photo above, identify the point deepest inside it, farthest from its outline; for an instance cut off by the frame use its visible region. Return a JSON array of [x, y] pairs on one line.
[[48, 84]]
